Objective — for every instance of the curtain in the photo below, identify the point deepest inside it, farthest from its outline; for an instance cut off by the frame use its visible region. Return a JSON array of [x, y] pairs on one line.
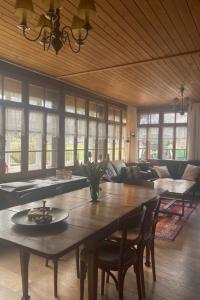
[[194, 131]]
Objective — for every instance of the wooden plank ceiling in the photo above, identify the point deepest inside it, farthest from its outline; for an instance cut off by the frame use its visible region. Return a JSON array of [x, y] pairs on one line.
[[139, 52]]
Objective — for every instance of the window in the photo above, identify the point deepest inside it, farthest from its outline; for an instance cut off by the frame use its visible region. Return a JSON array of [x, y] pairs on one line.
[[117, 141], [36, 135], [12, 90], [81, 140], [70, 133], [114, 114], [123, 147], [181, 143], [13, 139], [149, 119], [168, 142], [36, 122], [75, 105], [52, 137], [44, 97], [70, 104], [162, 135], [92, 140], [51, 98], [101, 141], [111, 140], [36, 95], [96, 110]]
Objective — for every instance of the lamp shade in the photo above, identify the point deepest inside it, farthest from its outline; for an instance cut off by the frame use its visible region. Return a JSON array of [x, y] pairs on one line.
[[24, 9], [86, 9], [77, 25], [53, 4]]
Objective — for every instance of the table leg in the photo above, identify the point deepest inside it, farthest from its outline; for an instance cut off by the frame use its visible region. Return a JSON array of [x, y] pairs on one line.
[[92, 275], [24, 261]]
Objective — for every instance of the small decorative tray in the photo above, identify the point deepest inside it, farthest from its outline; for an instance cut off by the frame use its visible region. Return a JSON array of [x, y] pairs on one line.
[[40, 217]]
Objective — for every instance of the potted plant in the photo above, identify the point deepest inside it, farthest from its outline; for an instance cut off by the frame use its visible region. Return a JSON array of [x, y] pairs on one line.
[[94, 173]]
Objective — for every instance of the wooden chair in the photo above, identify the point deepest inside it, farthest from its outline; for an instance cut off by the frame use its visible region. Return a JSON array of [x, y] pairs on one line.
[[153, 208], [120, 256]]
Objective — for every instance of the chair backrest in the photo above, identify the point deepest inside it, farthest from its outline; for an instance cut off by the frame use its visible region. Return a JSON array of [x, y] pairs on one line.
[[148, 226], [145, 218]]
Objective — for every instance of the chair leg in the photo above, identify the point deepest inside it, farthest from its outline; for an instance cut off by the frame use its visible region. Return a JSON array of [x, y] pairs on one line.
[[121, 286], [138, 279], [102, 281], [142, 276], [82, 278], [77, 263], [153, 260], [148, 261], [55, 262]]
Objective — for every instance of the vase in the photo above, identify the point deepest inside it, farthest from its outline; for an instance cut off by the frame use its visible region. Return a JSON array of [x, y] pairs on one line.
[[94, 192]]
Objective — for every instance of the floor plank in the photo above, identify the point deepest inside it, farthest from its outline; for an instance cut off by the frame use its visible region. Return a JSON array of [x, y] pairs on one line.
[[178, 272]]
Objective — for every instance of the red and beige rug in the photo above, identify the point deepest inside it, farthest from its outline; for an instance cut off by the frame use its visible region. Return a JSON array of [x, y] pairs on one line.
[[169, 226]]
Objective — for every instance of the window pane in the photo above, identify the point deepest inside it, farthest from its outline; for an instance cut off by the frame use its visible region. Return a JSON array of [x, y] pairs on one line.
[[36, 95], [117, 115], [52, 140], [111, 114], [35, 140], [124, 116], [70, 132], [92, 139], [168, 140], [181, 118], [80, 106], [169, 118], [1, 143], [12, 90], [123, 152], [111, 137], [92, 109], [13, 139], [142, 143], [153, 143], [51, 98], [101, 140], [144, 119], [69, 103], [181, 143], [154, 118], [81, 135], [100, 111]]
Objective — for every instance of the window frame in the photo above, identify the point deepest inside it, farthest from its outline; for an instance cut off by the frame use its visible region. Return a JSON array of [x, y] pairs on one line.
[[161, 125]]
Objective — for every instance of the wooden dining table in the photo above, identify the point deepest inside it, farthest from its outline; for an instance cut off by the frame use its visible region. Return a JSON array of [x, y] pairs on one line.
[[88, 223]]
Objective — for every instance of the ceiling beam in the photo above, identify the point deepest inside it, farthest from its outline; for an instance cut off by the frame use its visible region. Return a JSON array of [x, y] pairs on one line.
[[136, 63]]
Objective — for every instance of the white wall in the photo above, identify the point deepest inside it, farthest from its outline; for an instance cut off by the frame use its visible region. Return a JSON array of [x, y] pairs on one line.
[[131, 153]]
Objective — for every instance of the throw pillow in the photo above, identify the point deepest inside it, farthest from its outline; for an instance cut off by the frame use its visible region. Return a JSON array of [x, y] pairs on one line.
[[191, 172], [162, 171]]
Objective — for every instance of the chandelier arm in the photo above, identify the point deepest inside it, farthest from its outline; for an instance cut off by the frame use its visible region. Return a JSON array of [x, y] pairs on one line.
[[66, 37], [64, 30], [37, 38]]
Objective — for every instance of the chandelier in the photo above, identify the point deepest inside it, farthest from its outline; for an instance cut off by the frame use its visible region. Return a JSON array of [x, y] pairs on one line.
[[181, 102], [50, 33]]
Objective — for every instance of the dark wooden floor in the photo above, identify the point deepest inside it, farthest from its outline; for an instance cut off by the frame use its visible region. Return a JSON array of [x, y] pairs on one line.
[[178, 272]]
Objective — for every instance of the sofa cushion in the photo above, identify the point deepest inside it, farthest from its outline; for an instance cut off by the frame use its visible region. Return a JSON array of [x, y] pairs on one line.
[[110, 171], [191, 173], [162, 171]]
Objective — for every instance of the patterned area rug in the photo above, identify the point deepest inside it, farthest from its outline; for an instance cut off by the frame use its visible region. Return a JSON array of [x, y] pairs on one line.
[[168, 226]]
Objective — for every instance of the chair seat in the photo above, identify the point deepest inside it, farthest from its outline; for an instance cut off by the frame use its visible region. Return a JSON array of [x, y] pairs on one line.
[[109, 255], [132, 235]]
